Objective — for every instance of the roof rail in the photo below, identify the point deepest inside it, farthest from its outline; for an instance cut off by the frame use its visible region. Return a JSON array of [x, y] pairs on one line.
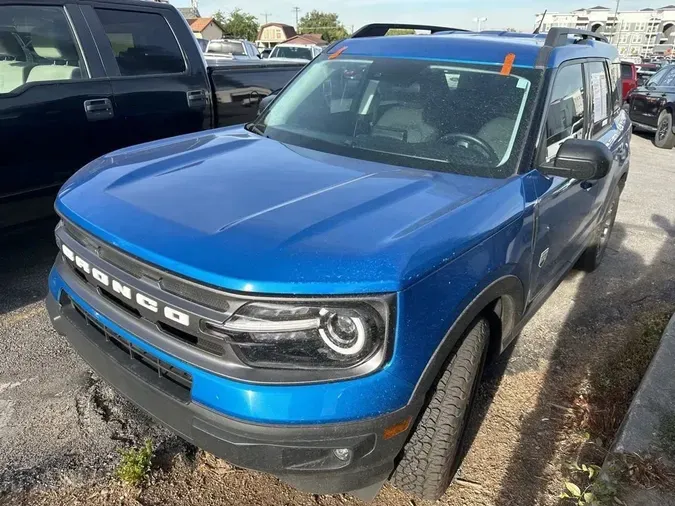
[[557, 37], [381, 29]]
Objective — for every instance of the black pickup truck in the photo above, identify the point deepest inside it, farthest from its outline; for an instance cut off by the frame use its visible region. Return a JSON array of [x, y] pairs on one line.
[[81, 78]]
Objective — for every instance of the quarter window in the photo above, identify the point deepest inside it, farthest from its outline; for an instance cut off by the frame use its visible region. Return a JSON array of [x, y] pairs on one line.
[[36, 45], [565, 118], [142, 42]]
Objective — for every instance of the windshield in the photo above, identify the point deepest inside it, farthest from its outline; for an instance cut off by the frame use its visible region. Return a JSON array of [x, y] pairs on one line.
[[303, 53], [234, 48], [452, 117]]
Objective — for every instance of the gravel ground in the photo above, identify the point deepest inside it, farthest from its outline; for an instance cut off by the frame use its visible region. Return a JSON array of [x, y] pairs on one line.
[[61, 428]]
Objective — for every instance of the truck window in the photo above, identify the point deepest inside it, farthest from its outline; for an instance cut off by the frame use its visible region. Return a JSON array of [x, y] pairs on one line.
[[142, 42], [565, 118], [36, 45], [302, 53], [226, 47]]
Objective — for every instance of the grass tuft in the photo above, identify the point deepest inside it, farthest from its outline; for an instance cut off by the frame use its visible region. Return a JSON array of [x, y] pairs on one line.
[[135, 464]]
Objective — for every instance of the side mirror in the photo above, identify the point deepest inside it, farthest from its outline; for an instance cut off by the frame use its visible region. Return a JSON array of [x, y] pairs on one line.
[[651, 86], [580, 159], [265, 102]]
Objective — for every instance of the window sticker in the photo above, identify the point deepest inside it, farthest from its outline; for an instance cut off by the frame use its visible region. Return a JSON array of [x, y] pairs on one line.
[[599, 88]]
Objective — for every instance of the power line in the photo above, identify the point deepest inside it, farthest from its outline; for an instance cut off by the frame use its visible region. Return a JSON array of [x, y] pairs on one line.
[[297, 16], [266, 15]]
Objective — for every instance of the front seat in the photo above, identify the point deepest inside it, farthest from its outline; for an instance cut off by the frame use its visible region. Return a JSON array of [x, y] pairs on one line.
[[55, 46], [497, 133], [14, 69]]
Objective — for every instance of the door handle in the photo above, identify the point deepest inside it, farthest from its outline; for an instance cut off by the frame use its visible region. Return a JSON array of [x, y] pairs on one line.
[[196, 99], [587, 185], [98, 109]]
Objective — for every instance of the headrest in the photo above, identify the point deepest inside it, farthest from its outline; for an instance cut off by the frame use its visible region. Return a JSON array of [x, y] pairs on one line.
[[54, 42], [9, 46]]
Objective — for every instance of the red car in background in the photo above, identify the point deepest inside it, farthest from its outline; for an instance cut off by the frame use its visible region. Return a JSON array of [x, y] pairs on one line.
[[629, 78]]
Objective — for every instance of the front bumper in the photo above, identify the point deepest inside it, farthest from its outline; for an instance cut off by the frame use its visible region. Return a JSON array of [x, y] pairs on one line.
[[301, 455]]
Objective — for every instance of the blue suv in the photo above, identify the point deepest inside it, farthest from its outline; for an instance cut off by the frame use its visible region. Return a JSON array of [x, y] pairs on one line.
[[315, 294]]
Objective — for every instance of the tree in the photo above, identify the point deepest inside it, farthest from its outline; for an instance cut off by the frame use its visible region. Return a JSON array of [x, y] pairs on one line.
[[238, 24], [326, 23]]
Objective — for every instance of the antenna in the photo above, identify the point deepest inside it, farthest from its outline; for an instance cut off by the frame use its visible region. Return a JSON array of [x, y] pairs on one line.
[[541, 23]]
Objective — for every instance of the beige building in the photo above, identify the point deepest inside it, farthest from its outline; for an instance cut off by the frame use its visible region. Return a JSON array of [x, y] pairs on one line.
[[205, 28], [644, 33], [272, 34]]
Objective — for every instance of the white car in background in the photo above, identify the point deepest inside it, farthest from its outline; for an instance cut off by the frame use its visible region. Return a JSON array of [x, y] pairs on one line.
[[295, 53], [231, 49]]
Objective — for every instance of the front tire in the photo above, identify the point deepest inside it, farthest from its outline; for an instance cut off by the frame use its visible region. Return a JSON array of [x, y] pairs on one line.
[[428, 459], [664, 137], [594, 254]]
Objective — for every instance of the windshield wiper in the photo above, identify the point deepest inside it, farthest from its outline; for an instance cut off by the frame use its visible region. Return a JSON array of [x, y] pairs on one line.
[[256, 128]]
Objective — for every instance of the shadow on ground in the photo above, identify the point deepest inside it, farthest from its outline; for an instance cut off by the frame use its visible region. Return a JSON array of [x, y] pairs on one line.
[[26, 255], [602, 337]]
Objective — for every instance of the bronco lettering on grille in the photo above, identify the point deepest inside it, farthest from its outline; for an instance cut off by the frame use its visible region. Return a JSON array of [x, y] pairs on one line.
[[125, 291]]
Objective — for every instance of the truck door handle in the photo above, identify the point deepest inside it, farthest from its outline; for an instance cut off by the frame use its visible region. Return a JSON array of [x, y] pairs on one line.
[[587, 185], [196, 99], [98, 109]]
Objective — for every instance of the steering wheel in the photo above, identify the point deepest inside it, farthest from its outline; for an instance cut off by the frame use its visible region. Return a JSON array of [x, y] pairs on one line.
[[482, 146]]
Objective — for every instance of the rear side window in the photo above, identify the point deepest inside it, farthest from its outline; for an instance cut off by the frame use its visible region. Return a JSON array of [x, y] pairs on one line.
[[566, 111], [600, 96], [142, 42], [626, 71], [36, 45]]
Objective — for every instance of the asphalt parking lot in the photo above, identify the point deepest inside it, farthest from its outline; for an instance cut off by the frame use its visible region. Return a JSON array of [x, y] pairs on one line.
[[61, 427]]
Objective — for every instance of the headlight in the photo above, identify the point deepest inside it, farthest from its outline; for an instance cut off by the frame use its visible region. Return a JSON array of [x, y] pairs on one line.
[[325, 336]]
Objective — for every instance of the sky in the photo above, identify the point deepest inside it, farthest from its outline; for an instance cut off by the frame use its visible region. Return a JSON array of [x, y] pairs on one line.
[[518, 14]]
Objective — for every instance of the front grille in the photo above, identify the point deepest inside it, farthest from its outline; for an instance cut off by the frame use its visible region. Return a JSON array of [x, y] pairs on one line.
[[164, 372], [170, 283]]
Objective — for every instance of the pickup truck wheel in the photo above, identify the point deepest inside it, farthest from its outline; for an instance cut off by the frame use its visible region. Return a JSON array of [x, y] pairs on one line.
[[665, 138], [592, 257], [428, 460]]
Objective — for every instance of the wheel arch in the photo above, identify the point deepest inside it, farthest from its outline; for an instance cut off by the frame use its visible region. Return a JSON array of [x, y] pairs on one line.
[[501, 302]]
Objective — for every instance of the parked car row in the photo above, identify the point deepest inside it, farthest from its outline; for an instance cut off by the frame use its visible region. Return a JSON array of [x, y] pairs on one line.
[[224, 50], [79, 79], [651, 106]]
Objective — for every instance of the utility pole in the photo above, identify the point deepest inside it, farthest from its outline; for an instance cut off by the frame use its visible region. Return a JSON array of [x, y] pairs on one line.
[[615, 38], [297, 15], [479, 22], [266, 15]]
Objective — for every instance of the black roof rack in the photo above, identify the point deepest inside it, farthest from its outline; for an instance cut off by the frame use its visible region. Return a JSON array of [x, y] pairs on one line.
[[557, 37], [381, 29]]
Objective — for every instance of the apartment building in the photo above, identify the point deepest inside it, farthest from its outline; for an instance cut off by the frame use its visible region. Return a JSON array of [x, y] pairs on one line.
[[645, 33]]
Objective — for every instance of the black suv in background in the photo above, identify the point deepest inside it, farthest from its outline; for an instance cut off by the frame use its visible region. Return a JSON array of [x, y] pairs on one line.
[[652, 107], [81, 78]]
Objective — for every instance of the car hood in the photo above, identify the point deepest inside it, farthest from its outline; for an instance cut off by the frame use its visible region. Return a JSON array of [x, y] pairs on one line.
[[246, 213]]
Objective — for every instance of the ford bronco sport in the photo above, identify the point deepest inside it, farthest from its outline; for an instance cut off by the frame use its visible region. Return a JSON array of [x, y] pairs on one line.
[[315, 294]]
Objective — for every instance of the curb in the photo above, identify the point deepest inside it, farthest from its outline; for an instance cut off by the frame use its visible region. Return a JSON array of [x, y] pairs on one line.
[[649, 425]]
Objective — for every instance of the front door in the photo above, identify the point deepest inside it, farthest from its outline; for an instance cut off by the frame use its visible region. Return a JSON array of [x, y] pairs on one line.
[[56, 111], [565, 205]]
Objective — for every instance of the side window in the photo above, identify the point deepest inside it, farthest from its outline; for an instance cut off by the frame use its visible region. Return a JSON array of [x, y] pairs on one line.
[[656, 78], [669, 79], [566, 109], [600, 96], [616, 86], [142, 42], [36, 45]]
